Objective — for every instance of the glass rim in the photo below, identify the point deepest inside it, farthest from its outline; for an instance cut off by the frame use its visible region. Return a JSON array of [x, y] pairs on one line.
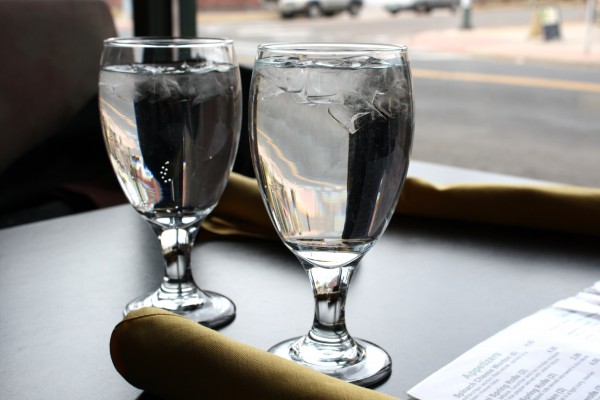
[[315, 48], [166, 42]]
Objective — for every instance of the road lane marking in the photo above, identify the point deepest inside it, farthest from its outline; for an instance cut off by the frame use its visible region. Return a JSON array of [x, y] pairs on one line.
[[558, 84]]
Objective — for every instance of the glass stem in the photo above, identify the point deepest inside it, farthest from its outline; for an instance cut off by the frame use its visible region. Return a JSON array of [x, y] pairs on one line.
[[176, 244], [328, 332]]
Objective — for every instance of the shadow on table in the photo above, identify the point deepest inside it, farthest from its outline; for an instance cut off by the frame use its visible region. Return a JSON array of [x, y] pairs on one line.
[[485, 237]]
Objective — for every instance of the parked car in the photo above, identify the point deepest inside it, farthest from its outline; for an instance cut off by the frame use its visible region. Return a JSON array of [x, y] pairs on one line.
[[421, 6], [316, 8]]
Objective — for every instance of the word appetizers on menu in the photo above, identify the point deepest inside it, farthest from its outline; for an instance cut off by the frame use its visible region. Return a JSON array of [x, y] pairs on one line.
[[553, 354]]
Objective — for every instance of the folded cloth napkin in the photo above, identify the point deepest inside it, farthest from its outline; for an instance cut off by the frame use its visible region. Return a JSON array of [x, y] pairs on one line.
[[545, 206], [240, 211], [175, 358], [556, 207]]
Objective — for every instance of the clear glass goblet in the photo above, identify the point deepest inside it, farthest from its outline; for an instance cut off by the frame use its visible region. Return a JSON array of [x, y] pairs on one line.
[[331, 133], [171, 117]]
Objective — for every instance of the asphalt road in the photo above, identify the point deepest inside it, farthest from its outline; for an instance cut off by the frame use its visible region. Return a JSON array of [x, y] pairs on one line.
[[532, 120]]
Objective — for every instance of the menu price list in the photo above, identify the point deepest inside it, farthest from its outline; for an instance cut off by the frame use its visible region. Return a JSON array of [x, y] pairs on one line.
[[553, 354]]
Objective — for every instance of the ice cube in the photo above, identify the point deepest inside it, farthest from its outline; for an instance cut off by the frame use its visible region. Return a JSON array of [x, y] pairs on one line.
[[326, 63], [269, 92], [159, 88], [350, 119], [388, 104], [289, 80], [147, 69], [300, 98], [286, 62], [342, 115], [321, 85], [335, 98], [268, 88], [392, 101], [354, 114], [209, 86], [356, 62], [292, 80], [353, 62], [359, 120]]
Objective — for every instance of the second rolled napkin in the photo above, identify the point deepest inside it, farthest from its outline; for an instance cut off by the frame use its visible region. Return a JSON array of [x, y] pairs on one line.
[[175, 358], [562, 208]]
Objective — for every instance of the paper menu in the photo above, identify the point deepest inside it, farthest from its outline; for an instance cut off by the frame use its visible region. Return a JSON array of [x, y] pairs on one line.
[[553, 354]]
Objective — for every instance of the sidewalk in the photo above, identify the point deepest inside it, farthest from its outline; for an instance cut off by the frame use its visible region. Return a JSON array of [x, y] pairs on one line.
[[514, 43], [509, 42]]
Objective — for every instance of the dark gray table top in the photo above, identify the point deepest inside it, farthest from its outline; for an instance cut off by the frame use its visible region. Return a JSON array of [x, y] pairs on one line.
[[427, 292]]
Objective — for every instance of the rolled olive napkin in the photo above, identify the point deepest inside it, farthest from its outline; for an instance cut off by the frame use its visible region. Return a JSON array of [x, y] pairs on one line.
[[556, 207], [240, 211], [175, 358], [563, 208]]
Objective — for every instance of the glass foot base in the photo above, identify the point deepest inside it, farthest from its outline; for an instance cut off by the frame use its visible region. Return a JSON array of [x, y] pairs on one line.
[[373, 369], [210, 309]]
